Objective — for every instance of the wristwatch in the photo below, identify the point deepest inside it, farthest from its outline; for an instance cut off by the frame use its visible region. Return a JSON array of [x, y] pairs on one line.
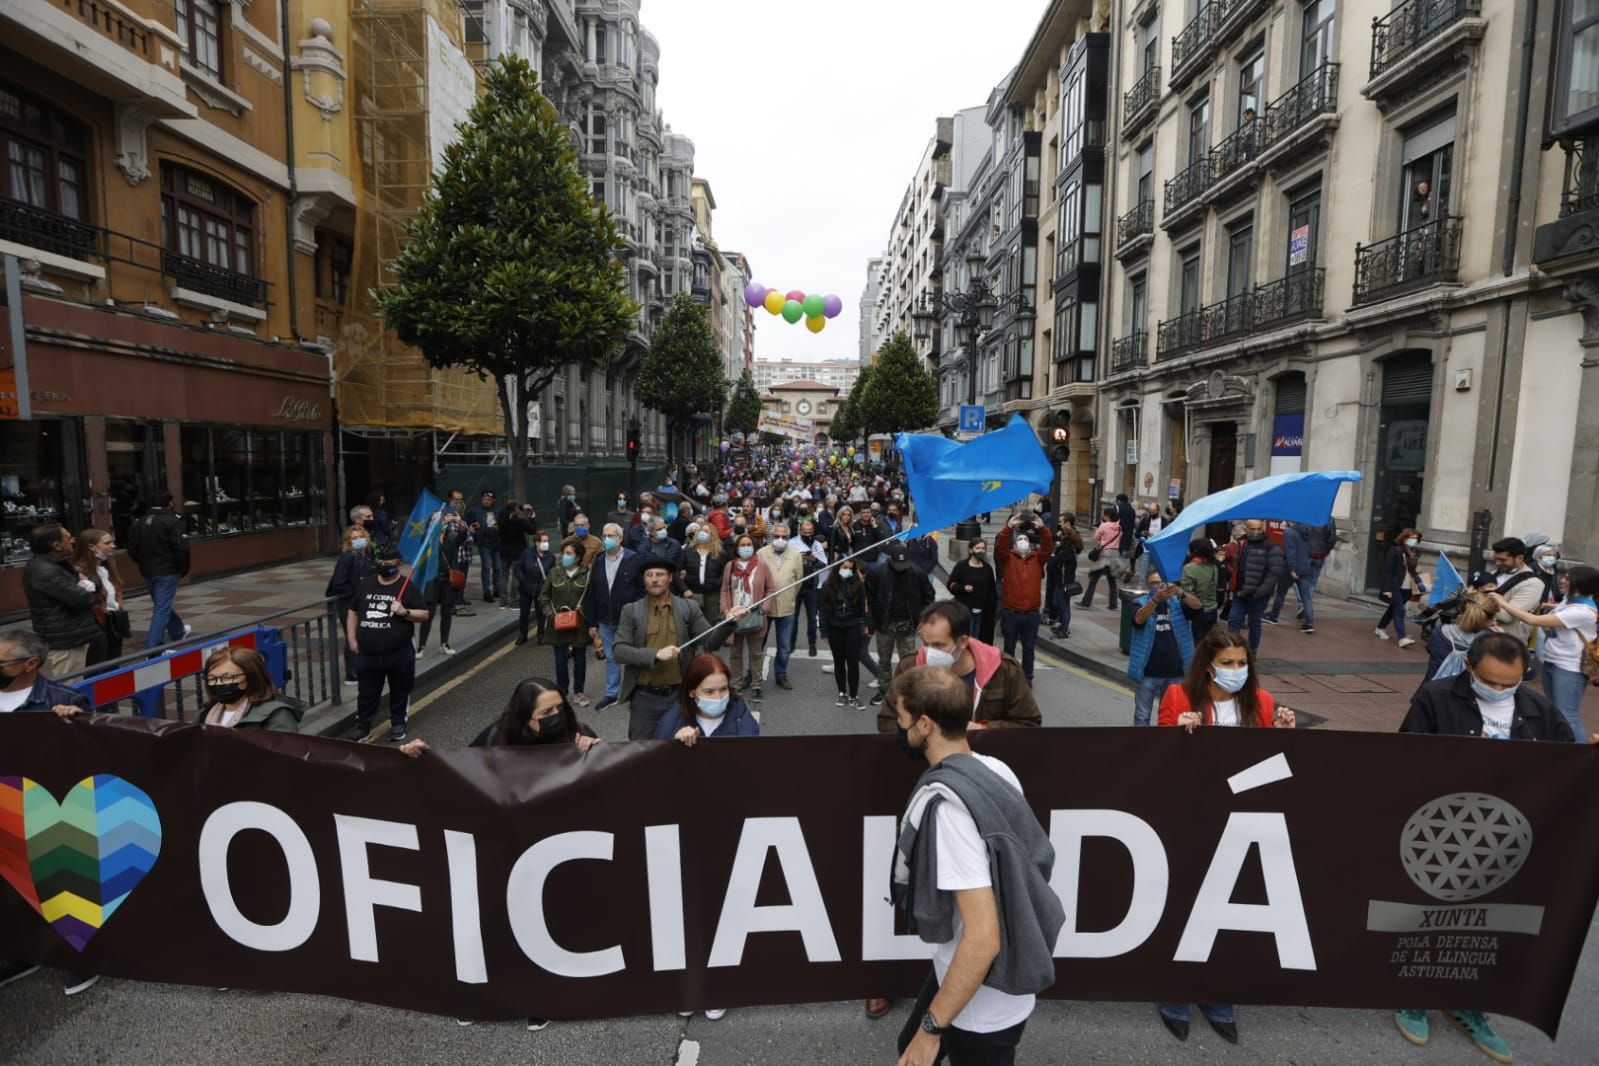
[[930, 1025]]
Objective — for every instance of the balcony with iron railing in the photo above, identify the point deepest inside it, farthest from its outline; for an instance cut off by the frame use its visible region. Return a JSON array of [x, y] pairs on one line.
[[1416, 38], [1175, 336], [196, 275], [1190, 48], [1232, 162], [1572, 233], [1129, 352], [1293, 297], [1138, 103], [48, 231], [1185, 194], [1228, 318], [1135, 231], [1302, 117], [1420, 257], [1229, 17]]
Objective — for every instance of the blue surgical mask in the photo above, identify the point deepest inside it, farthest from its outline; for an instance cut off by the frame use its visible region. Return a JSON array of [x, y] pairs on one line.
[[712, 708], [581, 531], [660, 534], [702, 537], [568, 560], [745, 551], [358, 544], [610, 543], [1230, 678], [1488, 694]]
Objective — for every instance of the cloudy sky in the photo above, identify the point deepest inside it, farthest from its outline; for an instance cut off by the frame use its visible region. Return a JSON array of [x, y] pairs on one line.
[[808, 120]]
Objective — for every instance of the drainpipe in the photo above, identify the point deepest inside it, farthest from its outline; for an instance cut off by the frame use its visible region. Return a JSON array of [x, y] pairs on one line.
[[294, 187]]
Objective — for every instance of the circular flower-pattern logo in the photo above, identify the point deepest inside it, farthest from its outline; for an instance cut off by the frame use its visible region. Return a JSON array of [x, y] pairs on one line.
[[1462, 846]]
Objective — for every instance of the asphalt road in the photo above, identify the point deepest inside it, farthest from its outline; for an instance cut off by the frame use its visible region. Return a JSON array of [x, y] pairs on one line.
[[130, 1022]]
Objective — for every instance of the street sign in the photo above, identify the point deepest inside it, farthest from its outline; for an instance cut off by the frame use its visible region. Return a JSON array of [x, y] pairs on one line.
[[972, 417]]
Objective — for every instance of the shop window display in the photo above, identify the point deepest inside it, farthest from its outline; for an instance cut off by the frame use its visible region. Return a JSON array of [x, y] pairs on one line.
[[136, 464], [40, 481], [248, 481]]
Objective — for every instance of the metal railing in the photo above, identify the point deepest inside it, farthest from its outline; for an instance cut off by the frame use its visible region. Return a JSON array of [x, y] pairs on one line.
[[212, 280], [1579, 190], [47, 231], [307, 637], [1295, 295], [1228, 318], [1139, 222], [1401, 33], [1315, 94], [1418, 257], [1177, 335], [1187, 186], [1143, 94], [1237, 148], [1192, 42], [1129, 351]]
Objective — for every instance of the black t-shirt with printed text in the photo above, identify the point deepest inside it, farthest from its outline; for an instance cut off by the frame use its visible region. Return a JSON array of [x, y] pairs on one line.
[[1165, 658], [377, 632]]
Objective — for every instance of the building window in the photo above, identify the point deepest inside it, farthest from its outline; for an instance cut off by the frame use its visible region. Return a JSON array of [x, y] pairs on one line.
[[199, 24], [599, 42], [1137, 303], [1251, 84], [1149, 45], [1074, 102], [1317, 27], [1188, 280], [1198, 129], [206, 220], [249, 480], [1427, 172], [596, 133], [43, 154], [1240, 258], [1146, 173], [333, 254], [1576, 88], [1304, 230]]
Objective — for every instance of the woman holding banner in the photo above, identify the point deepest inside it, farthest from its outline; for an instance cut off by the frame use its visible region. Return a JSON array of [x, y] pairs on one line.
[[1222, 689], [242, 694]]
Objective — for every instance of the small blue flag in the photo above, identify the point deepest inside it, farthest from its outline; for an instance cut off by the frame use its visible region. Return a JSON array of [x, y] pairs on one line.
[[1445, 581], [419, 541], [950, 482]]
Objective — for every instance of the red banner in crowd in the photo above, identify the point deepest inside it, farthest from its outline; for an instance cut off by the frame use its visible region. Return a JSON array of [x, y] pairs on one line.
[[1241, 866]]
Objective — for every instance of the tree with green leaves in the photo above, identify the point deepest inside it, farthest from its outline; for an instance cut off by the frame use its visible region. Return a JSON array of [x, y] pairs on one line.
[[844, 426], [900, 395], [682, 374], [512, 270], [744, 409]]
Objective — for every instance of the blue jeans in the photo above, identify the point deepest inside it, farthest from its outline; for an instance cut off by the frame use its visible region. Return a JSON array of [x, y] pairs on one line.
[[1146, 697], [1396, 612], [1063, 608], [1304, 588], [783, 632], [613, 669], [577, 655], [1216, 1012], [165, 624], [490, 565], [1022, 625], [1564, 689], [1252, 609]]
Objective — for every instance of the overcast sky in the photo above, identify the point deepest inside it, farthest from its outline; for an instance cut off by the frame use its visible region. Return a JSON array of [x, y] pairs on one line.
[[808, 120]]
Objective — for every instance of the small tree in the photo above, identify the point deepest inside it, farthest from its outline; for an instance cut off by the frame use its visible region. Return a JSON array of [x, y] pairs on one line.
[[900, 395], [843, 426], [511, 269], [682, 374], [744, 409]]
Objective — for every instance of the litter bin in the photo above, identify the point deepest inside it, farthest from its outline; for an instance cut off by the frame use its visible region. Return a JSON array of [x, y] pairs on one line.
[[965, 533], [1128, 596]]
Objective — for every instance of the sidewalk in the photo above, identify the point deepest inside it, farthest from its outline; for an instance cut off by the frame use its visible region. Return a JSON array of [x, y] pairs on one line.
[[1340, 677]]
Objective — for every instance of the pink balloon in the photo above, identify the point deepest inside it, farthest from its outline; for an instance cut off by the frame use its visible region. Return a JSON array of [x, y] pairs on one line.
[[796, 295]]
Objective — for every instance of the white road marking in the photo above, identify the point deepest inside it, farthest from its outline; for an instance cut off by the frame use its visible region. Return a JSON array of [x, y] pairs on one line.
[[688, 1053], [445, 689]]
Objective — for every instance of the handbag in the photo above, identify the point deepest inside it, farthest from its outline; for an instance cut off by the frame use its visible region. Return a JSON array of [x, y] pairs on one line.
[[753, 622], [567, 619], [457, 578], [1093, 553], [1071, 588], [119, 624]]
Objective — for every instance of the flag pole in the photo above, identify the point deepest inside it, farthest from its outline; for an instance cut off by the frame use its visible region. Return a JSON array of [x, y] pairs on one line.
[[427, 539]]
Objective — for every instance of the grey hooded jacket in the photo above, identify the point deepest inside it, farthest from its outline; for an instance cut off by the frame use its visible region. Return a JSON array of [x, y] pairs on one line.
[[1020, 860]]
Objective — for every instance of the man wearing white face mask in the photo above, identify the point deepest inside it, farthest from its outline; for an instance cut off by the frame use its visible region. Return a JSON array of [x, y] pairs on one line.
[[1487, 699], [1022, 550], [1001, 696], [787, 565]]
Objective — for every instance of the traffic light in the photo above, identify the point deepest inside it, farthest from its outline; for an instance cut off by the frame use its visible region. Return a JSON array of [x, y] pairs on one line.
[[1057, 437], [632, 440]]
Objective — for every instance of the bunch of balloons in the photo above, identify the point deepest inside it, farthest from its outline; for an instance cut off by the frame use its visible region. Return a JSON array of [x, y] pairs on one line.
[[794, 305]]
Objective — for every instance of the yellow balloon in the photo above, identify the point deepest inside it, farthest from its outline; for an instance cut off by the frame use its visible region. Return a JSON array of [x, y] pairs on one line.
[[773, 302], [852, 449], [815, 323]]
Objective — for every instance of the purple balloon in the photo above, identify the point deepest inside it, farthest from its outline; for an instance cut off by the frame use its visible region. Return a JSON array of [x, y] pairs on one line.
[[754, 293], [832, 305], [725, 447]]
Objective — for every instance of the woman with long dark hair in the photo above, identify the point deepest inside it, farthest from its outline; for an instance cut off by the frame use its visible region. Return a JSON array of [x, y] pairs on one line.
[[1222, 689], [843, 611], [974, 583], [95, 558], [1061, 573], [1401, 579], [1202, 579]]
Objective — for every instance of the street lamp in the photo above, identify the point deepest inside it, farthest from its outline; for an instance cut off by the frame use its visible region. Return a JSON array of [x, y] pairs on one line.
[[974, 310]]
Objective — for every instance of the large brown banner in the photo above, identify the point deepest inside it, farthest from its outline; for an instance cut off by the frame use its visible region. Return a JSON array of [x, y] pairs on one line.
[[1242, 866]]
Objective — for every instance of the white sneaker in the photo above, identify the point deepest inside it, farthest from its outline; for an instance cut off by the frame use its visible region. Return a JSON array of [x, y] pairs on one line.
[[873, 684], [685, 1014], [716, 1015], [187, 629], [1407, 642], [421, 653], [446, 649], [1383, 633]]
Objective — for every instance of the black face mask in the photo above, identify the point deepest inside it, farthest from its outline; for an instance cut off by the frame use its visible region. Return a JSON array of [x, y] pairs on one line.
[[552, 728], [913, 754], [226, 694], [389, 570]]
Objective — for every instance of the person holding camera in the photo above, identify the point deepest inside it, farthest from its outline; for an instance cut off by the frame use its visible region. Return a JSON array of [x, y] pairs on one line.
[[1023, 549], [1162, 644]]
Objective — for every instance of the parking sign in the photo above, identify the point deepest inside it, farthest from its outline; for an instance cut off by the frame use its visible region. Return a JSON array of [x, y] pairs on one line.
[[972, 417]]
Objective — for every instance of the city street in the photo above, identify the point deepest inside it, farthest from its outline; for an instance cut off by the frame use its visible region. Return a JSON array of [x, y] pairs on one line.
[[125, 1021]]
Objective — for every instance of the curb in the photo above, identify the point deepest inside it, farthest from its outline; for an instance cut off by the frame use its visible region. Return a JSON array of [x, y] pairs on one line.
[[433, 674]]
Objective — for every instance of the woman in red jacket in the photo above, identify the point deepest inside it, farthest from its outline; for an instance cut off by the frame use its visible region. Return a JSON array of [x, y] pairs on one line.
[[1221, 689]]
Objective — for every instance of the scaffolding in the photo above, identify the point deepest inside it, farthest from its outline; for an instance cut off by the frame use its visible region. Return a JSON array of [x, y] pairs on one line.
[[382, 383]]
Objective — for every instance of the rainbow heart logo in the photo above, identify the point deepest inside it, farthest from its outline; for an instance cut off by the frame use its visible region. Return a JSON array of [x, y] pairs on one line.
[[76, 861]]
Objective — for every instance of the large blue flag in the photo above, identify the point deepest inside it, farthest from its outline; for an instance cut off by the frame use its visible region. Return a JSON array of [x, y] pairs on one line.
[[1446, 581], [950, 482], [419, 542]]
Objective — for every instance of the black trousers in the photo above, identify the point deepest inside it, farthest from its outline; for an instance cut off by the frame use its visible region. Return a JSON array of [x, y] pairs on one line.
[[845, 642], [807, 601], [958, 1046], [397, 669], [645, 711], [446, 612]]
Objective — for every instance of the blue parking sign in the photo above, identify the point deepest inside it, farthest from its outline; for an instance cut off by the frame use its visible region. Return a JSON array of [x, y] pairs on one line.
[[972, 417]]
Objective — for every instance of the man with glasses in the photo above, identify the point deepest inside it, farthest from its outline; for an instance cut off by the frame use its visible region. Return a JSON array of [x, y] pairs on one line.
[[24, 688]]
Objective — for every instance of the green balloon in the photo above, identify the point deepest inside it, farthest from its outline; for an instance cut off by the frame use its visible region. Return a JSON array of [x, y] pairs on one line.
[[814, 305], [793, 311]]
